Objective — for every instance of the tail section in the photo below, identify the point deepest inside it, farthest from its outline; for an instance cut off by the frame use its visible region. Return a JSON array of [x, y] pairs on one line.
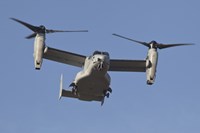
[[61, 86], [65, 93], [84, 97]]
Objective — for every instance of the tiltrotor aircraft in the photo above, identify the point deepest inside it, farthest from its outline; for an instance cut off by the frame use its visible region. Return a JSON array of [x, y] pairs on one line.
[[92, 83]]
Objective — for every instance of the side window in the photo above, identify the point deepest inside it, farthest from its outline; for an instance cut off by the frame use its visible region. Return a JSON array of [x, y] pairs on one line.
[[96, 52], [89, 57]]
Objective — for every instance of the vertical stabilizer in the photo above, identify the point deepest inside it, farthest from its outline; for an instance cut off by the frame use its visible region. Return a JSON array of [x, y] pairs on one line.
[[61, 86]]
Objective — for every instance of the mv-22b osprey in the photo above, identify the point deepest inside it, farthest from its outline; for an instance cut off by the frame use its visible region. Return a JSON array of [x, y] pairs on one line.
[[92, 83]]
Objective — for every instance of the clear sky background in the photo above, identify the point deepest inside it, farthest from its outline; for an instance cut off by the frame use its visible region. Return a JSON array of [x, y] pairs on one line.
[[29, 98]]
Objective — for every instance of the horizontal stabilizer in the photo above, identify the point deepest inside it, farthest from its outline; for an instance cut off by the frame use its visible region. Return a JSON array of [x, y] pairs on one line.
[[67, 93], [63, 92]]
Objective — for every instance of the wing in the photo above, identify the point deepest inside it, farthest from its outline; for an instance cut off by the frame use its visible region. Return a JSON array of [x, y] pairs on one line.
[[127, 65], [64, 57]]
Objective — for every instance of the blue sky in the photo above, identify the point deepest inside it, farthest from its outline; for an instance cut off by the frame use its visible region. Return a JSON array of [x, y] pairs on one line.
[[29, 98]]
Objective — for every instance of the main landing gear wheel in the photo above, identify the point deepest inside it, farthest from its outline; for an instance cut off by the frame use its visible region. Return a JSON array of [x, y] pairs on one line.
[[106, 94], [74, 88], [109, 90]]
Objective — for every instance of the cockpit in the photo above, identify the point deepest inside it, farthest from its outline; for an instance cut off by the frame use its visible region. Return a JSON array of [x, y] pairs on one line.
[[100, 53]]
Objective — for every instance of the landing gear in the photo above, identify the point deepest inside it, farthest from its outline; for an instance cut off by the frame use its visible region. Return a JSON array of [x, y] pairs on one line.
[[74, 88], [107, 95], [107, 92]]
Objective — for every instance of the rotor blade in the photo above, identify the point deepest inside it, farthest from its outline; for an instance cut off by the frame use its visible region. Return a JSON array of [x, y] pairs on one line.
[[31, 36], [162, 46], [143, 43], [53, 31], [31, 27]]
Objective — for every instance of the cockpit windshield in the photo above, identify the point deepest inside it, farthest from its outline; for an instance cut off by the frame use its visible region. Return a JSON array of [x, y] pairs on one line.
[[100, 53]]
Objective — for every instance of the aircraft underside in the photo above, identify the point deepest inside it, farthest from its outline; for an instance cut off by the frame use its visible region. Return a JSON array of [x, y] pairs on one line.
[[88, 85], [88, 88]]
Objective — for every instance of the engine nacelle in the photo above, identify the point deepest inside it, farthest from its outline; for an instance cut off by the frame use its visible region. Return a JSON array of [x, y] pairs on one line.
[[151, 65], [39, 46]]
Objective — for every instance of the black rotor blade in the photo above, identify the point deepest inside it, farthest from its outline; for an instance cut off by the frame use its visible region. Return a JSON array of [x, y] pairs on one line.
[[31, 36], [31, 27], [53, 31], [143, 43], [162, 46]]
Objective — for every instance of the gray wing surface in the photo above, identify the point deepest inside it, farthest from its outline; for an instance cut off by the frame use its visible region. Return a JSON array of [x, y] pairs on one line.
[[127, 65], [64, 57]]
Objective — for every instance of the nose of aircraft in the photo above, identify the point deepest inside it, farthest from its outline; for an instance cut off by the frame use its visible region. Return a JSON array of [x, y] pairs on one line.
[[101, 61], [100, 66]]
